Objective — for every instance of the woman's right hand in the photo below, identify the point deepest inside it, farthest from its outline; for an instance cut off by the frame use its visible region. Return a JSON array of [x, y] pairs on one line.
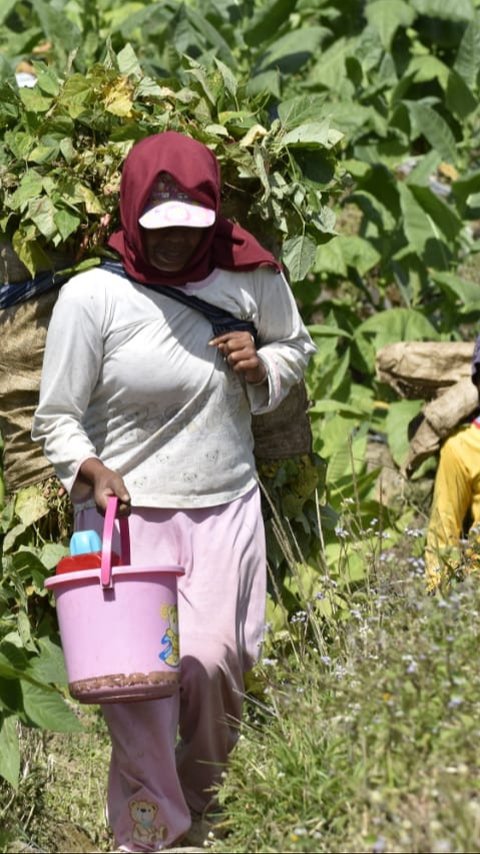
[[105, 482]]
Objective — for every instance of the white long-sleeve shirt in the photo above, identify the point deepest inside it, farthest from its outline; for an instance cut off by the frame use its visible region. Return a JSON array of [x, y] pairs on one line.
[[129, 378]]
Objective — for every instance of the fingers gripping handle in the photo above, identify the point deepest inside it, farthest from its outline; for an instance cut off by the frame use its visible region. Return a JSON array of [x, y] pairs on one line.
[[108, 528]]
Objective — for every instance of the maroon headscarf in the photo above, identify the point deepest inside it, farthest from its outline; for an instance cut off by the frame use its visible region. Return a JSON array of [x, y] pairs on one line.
[[196, 170]]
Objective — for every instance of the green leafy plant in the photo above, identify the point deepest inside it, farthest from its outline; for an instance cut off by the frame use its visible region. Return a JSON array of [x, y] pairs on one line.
[[32, 673]]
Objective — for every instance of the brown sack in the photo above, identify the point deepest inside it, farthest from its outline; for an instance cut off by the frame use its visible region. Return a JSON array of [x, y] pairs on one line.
[[440, 417], [423, 369], [23, 330], [286, 431]]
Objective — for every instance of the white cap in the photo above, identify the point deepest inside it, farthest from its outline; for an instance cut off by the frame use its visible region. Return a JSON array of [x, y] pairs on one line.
[[170, 206]]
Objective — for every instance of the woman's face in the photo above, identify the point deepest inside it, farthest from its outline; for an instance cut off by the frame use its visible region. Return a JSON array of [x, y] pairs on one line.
[[170, 249]]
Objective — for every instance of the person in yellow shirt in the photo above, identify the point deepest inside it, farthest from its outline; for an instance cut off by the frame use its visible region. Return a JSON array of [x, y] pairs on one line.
[[456, 498]]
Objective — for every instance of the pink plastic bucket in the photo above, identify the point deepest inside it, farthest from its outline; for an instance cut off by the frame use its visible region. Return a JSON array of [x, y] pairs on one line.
[[119, 626]]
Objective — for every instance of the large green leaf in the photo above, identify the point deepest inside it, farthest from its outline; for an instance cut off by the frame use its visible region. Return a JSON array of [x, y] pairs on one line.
[[442, 214], [46, 708], [399, 415], [128, 17], [327, 374], [312, 135], [346, 251], [298, 256], [455, 10], [5, 8], [211, 33], [31, 185], [267, 20], [434, 128], [50, 554], [396, 324], [344, 446], [460, 98], [467, 292], [330, 259], [330, 70], [66, 223], [301, 109], [76, 94], [386, 16], [42, 213], [34, 101], [349, 117], [58, 27], [467, 63], [426, 67], [418, 225], [29, 567], [293, 50], [358, 253], [128, 62], [322, 330], [13, 660], [49, 665], [9, 750], [30, 505]]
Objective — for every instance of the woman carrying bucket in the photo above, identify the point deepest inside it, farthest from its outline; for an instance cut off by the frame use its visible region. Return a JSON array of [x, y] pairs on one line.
[[141, 400]]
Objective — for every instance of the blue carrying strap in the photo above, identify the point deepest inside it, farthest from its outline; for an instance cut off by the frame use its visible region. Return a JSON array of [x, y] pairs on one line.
[[222, 320]]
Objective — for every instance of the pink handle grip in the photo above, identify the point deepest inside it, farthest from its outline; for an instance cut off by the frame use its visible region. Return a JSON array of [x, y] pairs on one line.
[[106, 564]]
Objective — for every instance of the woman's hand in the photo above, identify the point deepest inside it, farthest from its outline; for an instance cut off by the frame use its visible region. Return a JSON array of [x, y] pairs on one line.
[[105, 482], [239, 351]]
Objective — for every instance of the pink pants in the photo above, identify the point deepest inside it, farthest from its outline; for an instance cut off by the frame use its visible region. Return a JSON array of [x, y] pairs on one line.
[[167, 754]]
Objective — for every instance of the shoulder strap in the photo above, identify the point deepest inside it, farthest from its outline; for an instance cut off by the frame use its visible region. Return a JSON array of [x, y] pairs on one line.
[[222, 320]]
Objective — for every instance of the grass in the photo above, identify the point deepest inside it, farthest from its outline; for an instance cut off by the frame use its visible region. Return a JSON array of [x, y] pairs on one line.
[[374, 747], [59, 805], [361, 733]]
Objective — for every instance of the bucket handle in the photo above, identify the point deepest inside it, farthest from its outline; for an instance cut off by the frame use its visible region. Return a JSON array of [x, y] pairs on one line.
[[106, 564]]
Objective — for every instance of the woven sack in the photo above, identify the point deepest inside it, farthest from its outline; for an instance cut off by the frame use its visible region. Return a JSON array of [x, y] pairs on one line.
[[286, 431], [439, 418], [23, 330], [423, 369]]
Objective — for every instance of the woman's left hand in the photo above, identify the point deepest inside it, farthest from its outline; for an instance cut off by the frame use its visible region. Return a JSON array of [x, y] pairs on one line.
[[239, 351]]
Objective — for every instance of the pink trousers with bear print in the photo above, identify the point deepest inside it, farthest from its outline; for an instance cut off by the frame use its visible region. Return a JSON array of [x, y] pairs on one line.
[[167, 754]]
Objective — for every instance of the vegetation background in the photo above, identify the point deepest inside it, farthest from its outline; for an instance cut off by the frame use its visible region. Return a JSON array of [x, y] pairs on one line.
[[348, 133]]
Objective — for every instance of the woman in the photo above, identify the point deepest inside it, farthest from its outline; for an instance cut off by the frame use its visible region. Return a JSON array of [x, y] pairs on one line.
[[138, 400]]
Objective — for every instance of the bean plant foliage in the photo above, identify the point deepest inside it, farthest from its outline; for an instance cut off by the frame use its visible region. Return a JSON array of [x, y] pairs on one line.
[[347, 135]]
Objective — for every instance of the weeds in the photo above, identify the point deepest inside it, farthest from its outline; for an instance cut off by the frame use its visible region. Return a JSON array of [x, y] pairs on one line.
[[370, 746], [362, 719], [60, 799]]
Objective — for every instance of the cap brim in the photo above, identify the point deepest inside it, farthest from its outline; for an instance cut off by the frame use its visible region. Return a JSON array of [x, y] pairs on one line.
[[175, 213]]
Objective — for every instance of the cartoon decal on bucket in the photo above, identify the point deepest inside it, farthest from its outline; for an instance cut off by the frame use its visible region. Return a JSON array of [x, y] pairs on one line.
[[171, 641], [110, 620]]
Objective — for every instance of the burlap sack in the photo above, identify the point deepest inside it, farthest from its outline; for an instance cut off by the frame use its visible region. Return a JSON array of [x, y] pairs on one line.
[[440, 417], [423, 369], [286, 431], [23, 330]]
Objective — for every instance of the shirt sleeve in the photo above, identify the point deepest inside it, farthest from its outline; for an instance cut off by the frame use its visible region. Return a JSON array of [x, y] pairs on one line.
[[284, 344], [71, 368]]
